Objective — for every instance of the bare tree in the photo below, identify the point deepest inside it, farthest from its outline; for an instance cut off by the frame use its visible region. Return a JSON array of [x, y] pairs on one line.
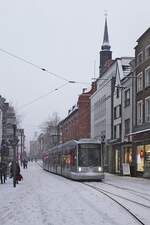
[[52, 122], [49, 130]]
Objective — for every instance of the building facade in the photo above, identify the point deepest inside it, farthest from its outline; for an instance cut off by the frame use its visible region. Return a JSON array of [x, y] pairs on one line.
[[122, 113], [141, 109], [77, 124]]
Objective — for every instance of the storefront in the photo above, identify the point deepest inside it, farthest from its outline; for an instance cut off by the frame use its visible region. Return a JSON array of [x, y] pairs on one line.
[[128, 154], [143, 160], [141, 143]]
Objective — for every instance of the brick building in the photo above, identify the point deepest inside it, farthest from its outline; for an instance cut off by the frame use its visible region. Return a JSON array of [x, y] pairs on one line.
[[77, 124]]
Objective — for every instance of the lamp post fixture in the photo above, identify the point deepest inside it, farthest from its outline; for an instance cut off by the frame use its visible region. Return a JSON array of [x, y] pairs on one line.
[[102, 148]]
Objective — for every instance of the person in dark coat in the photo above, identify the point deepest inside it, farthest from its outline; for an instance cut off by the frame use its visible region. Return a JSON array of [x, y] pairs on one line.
[[18, 175], [3, 172], [25, 163]]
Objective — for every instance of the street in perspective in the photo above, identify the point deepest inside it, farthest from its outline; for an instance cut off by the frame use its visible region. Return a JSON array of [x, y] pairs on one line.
[[75, 112], [45, 198]]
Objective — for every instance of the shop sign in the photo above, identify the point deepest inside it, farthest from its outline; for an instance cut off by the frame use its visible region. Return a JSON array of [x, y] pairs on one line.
[[125, 168]]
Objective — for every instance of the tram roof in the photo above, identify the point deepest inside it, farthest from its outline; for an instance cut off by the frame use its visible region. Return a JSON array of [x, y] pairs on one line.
[[87, 140], [80, 141]]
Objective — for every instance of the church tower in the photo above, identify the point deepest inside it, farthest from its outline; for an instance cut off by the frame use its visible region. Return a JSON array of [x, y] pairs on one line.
[[105, 53]]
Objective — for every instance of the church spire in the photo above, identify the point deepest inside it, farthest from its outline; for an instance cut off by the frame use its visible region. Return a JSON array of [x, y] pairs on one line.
[[106, 45], [105, 53]]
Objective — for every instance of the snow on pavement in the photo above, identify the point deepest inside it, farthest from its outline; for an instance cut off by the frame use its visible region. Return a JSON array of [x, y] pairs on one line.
[[47, 199]]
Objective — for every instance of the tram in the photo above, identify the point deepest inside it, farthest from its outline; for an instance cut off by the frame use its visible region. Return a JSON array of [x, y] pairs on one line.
[[77, 160]]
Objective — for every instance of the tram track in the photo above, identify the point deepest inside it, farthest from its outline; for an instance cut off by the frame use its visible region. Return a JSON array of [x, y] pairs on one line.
[[136, 193], [108, 194], [112, 196], [127, 199]]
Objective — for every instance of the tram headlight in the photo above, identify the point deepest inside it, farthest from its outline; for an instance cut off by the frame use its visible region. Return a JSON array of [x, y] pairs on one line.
[[99, 169], [79, 169]]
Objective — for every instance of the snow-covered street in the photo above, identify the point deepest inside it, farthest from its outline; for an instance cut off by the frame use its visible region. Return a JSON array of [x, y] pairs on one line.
[[43, 198]]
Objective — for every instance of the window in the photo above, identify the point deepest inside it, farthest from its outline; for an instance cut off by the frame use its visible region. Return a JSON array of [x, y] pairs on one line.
[[127, 98], [147, 76], [117, 131], [117, 112], [139, 82], [139, 112], [147, 109], [139, 58], [140, 158], [147, 52], [117, 92], [127, 126]]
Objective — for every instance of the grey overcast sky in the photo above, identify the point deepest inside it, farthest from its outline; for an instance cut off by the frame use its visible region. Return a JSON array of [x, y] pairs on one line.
[[63, 36]]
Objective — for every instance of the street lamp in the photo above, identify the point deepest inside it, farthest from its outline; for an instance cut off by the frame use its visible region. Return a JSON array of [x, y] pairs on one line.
[[102, 148]]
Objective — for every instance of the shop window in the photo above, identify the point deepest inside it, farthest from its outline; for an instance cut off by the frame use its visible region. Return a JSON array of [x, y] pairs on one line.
[[117, 161], [147, 109], [147, 156], [140, 158], [128, 155]]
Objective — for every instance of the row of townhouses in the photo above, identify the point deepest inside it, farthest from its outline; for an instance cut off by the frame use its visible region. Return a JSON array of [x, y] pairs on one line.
[[116, 110], [7, 120]]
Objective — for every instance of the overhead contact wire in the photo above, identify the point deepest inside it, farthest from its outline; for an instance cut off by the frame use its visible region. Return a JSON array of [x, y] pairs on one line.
[[42, 96]]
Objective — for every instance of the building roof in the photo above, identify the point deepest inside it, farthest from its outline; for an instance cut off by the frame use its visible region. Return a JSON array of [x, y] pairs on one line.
[[147, 31]]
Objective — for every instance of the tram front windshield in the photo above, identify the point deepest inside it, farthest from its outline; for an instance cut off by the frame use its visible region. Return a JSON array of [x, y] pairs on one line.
[[89, 155]]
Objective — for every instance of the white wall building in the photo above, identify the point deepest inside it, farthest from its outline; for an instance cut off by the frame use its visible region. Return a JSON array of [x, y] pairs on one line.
[[103, 103], [122, 112]]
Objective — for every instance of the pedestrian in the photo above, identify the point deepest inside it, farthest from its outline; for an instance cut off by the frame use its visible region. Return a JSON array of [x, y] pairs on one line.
[[3, 172], [25, 163], [18, 174]]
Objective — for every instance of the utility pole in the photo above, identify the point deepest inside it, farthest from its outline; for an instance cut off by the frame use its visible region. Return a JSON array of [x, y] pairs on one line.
[[21, 145], [102, 150]]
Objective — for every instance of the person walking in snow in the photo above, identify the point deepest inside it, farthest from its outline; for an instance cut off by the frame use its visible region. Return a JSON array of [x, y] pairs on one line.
[[3, 172], [25, 163], [17, 173]]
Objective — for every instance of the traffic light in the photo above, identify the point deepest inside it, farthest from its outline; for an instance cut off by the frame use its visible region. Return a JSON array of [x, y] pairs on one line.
[[103, 138]]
